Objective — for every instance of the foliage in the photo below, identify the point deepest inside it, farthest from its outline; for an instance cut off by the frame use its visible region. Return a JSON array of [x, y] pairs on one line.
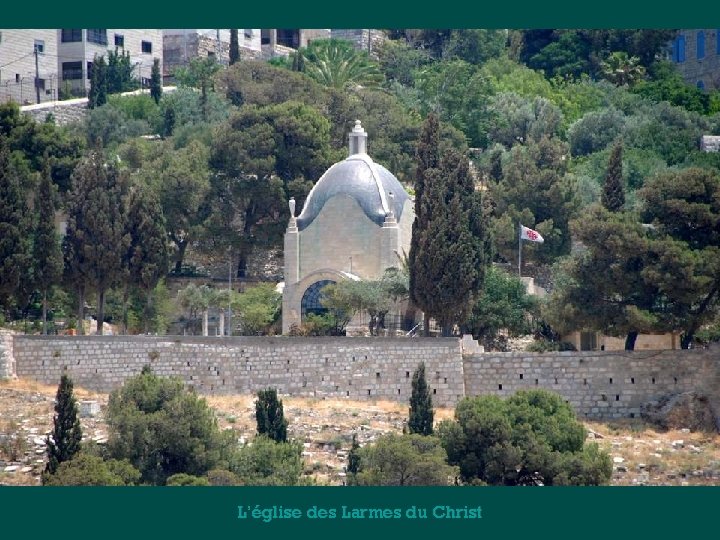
[[613, 196], [269, 415], [404, 460], [595, 130], [163, 429], [200, 73], [266, 462], [257, 308], [667, 84], [398, 61], [515, 119], [421, 409], [234, 47], [47, 256], [97, 97], [119, 73], [64, 441], [337, 64], [621, 69], [156, 81], [182, 479], [502, 304], [448, 250], [529, 438], [353, 458], [107, 126], [88, 470]]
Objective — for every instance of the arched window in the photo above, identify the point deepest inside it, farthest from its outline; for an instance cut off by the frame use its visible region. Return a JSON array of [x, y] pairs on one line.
[[700, 85], [312, 299], [700, 45]]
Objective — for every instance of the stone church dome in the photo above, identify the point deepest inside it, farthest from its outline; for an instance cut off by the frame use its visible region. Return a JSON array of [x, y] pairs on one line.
[[372, 186]]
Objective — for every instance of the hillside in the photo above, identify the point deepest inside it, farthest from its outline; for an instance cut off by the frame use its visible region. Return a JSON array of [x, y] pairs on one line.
[[642, 455]]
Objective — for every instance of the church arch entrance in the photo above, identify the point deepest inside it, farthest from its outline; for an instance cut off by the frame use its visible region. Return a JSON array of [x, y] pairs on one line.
[[311, 300]]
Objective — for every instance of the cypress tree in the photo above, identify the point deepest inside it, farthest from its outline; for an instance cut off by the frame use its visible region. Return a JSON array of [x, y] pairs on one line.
[[46, 247], [147, 254], [98, 83], [449, 247], [353, 459], [613, 195], [156, 81], [14, 233], [269, 415], [93, 245], [234, 46], [64, 442], [421, 409]]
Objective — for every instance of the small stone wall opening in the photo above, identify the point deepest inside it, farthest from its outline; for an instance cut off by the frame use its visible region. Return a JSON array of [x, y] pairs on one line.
[[617, 397], [521, 377], [632, 380], [499, 386]]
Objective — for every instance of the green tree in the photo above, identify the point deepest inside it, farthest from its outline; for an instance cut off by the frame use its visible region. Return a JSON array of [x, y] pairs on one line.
[[353, 458], [163, 429], [613, 195], [47, 255], [257, 308], [529, 438], [269, 415], [404, 460], [147, 255], [95, 238], [267, 462], [182, 479], [98, 83], [337, 64], [156, 81], [200, 74], [234, 46], [64, 440], [502, 304], [621, 69], [87, 470], [119, 73], [448, 247], [14, 229], [421, 409]]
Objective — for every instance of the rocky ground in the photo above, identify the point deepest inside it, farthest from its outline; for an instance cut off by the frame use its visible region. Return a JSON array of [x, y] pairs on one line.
[[642, 455]]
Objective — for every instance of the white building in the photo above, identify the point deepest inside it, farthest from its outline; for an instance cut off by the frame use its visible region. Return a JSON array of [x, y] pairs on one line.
[[77, 49], [18, 65]]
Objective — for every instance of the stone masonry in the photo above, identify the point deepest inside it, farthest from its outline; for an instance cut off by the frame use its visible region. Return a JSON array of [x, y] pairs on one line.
[[608, 384]]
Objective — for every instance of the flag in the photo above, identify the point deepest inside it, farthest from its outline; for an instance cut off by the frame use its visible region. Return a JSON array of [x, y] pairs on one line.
[[529, 234]]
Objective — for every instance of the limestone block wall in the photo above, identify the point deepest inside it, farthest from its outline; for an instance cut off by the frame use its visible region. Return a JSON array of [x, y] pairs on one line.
[[597, 384], [357, 368]]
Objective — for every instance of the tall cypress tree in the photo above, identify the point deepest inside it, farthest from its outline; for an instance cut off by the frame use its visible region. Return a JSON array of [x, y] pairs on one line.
[[613, 195], [234, 46], [449, 248], [421, 409], [427, 158], [93, 245], [98, 83], [353, 458], [47, 256], [14, 229], [156, 81], [64, 441], [147, 254], [269, 415]]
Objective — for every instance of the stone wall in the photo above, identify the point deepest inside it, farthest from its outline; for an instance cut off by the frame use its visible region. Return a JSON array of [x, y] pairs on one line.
[[65, 112], [597, 384], [357, 368], [7, 362]]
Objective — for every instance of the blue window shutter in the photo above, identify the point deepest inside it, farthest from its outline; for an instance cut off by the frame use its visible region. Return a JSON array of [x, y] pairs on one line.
[[675, 49], [681, 48], [700, 85], [700, 45]]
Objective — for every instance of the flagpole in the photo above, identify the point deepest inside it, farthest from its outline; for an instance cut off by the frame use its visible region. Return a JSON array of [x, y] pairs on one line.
[[520, 251]]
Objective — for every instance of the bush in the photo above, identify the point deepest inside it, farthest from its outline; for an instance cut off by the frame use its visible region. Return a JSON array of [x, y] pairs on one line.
[[530, 438], [265, 462], [164, 429], [88, 470]]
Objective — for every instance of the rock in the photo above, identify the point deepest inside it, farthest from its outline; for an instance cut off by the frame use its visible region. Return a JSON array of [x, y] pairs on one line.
[[621, 468], [89, 409], [641, 466], [26, 469], [618, 459], [689, 410], [11, 468], [679, 443]]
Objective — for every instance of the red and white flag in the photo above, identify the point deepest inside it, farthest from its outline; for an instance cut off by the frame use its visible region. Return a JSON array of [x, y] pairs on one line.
[[529, 234]]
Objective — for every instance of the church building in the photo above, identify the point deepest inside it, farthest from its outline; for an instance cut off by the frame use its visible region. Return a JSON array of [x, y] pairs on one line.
[[356, 222]]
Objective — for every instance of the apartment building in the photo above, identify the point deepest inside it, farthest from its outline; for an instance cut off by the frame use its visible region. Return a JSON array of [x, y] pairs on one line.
[[78, 47], [19, 66]]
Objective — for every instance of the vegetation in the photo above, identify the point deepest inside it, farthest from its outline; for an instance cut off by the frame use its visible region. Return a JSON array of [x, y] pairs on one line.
[[421, 410], [531, 438], [269, 414], [64, 441]]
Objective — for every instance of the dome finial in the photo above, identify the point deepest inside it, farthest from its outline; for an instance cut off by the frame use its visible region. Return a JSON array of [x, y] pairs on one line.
[[358, 139]]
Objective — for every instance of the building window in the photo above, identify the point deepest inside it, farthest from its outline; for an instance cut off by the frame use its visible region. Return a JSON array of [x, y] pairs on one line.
[[70, 35], [700, 45], [681, 49], [89, 70], [146, 47], [97, 35], [211, 55], [717, 41], [40, 46], [17, 77], [700, 85], [71, 71], [41, 84], [119, 40]]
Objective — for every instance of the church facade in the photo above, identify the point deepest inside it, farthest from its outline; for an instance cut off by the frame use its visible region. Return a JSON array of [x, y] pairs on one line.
[[356, 222]]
